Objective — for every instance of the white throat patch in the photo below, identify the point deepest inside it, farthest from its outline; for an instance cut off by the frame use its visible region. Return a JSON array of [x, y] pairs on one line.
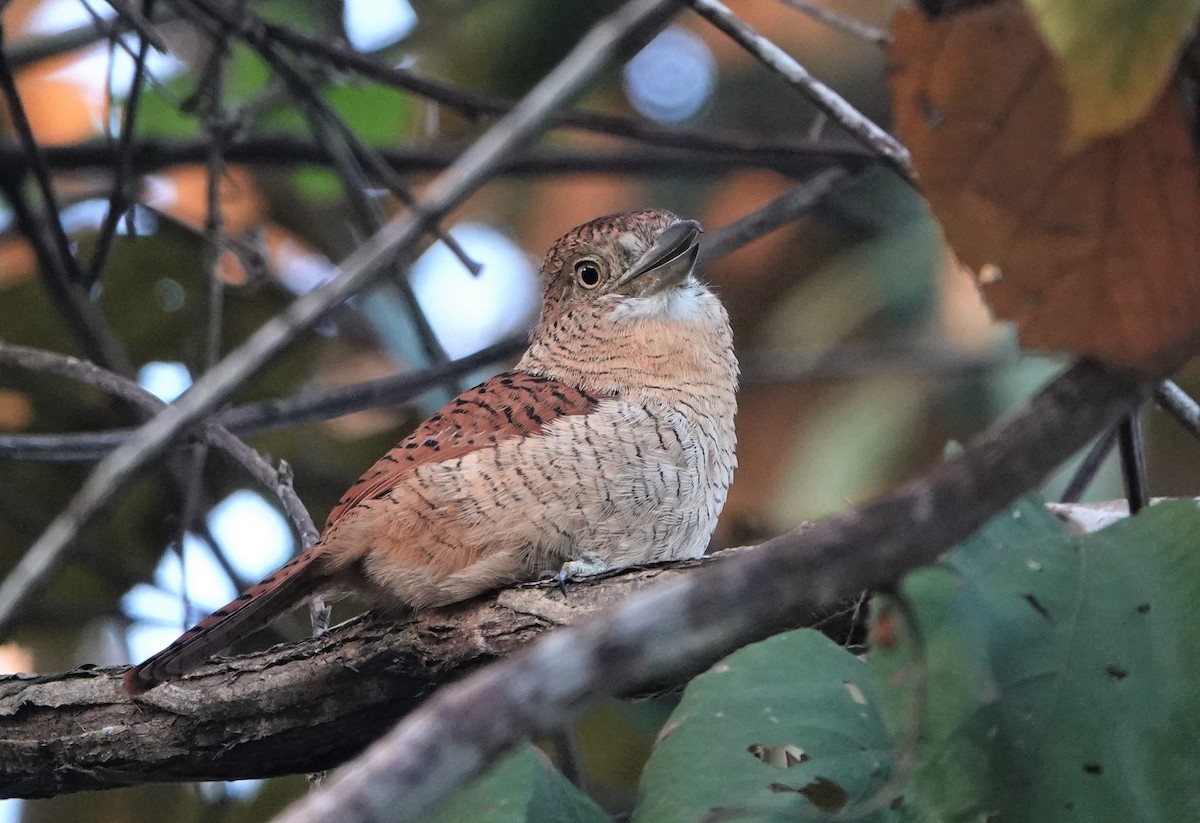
[[690, 302]]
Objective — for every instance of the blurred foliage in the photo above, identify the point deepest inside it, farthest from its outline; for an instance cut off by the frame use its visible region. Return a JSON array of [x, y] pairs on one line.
[[522, 787]]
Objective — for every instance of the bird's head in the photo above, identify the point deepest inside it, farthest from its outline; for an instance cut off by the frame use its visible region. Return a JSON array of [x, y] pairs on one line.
[[619, 257], [622, 310]]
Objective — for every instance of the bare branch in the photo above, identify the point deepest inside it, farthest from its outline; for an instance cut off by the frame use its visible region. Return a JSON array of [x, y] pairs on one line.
[[118, 198], [290, 709], [776, 214], [1089, 467], [1182, 407], [56, 262], [308, 406], [28, 50], [824, 98], [28, 575], [845, 360], [255, 31], [314, 703], [633, 23], [785, 155], [848, 25], [1133, 463], [686, 624]]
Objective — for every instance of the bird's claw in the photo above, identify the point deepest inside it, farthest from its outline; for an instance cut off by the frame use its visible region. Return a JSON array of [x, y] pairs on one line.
[[585, 565]]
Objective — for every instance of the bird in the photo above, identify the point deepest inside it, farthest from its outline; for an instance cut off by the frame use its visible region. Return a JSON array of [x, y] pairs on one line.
[[610, 443]]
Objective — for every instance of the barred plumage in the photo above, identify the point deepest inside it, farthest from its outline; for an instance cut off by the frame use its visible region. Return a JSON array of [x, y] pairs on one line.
[[610, 443]]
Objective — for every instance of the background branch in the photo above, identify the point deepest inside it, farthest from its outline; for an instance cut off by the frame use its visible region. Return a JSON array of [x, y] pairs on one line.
[[824, 98], [16, 586], [787, 156]]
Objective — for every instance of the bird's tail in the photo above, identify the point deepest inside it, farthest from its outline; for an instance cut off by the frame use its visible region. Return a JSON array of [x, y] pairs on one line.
[[252, 610]]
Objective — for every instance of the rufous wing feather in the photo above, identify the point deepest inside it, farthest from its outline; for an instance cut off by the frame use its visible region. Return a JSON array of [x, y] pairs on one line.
[[511, 404]]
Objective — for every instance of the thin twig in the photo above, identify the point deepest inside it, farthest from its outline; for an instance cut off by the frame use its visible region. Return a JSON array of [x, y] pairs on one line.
[[118, 200], [255, 30], [29, 573], [655, 634], [844, 361], [1090, 466], [214, 221], [634, 23], [849, 25], [37, 165], [332, 132], [776, 214], [139, 21], [29, 50], [861, 127], [1133, 463], [1180, 405], [785, 155], [59, 269], [306, 407], [328, 130]]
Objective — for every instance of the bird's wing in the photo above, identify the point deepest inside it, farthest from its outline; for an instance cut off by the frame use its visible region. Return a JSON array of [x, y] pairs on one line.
[[510, 404], [506, 406]]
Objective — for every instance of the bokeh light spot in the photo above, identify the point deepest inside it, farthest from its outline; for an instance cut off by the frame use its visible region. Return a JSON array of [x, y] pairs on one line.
[[374, 24], [468, 312], [671, 78]]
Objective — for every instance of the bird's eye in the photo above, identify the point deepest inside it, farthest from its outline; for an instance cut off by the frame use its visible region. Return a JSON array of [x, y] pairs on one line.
[[587, 273]]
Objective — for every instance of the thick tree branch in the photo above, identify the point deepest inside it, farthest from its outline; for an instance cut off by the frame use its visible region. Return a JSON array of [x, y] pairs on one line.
[[290, 709], [681, 626]]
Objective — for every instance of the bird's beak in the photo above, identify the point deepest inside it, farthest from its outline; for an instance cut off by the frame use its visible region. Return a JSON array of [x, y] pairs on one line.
[[670, 260]]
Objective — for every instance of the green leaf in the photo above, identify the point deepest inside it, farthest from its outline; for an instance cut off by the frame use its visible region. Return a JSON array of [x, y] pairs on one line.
[[1063, 672], [159, 116], [783, 730], [318, 184], [522, 788], [246, 77], [377, 114], [1116, 55]]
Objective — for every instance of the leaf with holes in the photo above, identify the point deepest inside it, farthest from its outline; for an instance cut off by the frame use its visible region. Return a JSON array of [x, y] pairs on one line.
[[783, 730], [1092, 247], [522, 788], [1061, 671]]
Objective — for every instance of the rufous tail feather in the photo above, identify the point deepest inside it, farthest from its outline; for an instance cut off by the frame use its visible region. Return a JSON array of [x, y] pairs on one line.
[[252, 610]]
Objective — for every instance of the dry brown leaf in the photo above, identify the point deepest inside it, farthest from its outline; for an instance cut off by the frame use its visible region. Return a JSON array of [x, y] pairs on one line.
[[1095, 250]]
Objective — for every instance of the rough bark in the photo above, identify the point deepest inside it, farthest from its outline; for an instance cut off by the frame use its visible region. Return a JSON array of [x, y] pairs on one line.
[[294, 708]]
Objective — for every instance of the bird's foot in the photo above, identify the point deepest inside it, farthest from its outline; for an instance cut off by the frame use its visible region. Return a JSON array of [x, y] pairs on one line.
[[585, 565]]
